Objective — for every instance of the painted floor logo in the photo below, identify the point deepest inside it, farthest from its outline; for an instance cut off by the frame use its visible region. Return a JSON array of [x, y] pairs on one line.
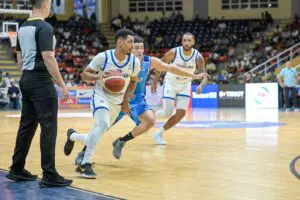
[[295, 167], [224, 124]]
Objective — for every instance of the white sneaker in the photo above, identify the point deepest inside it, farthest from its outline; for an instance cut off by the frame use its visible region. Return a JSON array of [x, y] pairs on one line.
[[158, 138]]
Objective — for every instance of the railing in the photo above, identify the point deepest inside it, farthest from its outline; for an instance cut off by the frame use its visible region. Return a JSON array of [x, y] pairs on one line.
[[277, 61]]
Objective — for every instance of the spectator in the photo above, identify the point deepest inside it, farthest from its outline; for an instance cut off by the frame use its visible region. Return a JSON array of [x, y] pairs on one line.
[[287, 80], [14, 95]]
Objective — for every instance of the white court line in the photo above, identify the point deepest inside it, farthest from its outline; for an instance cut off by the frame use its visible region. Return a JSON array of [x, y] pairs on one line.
[[62, 115]]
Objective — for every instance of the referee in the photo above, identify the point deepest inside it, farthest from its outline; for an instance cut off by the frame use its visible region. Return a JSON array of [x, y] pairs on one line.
[[36, 56]]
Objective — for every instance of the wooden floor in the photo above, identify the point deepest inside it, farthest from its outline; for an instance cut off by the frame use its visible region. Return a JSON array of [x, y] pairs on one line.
[[197, 163]]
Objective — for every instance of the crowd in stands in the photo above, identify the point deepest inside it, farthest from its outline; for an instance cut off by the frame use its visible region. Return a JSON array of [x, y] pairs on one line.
[[217, 40], [79, 39]]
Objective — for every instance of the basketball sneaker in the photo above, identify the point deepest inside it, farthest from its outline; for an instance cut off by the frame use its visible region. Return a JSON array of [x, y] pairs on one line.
[[86, 171], [118, 146], [69, 143], [159, 139]]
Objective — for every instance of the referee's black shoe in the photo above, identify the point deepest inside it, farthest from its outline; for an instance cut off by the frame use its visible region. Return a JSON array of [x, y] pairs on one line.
[[54, 180], [23, 175]]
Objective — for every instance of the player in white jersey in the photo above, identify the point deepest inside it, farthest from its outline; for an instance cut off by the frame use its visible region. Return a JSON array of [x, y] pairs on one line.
[[105, 105], [177, 88]]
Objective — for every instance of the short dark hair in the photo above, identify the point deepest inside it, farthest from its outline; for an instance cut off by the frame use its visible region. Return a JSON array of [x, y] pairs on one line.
[[123, 33], [138, 39], [36, 3], [188, 33]]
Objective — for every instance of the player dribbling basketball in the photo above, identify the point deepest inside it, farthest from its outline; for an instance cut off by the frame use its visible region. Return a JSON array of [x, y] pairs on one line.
[[105, 105]]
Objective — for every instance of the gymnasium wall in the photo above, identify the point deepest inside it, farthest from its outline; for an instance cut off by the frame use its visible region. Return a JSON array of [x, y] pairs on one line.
[[201, 8], [68, 11], [284, 11], [122, 6], [295, 7]]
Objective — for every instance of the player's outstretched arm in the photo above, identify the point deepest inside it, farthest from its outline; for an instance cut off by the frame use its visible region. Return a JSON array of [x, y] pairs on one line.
[[90, 75], [168, 57], [161, 66]]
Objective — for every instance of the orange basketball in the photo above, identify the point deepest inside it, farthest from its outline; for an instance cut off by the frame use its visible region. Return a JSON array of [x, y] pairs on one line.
[[113, 81]]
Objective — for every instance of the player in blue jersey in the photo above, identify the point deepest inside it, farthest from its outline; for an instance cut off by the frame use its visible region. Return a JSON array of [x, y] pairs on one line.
[[140, 113]]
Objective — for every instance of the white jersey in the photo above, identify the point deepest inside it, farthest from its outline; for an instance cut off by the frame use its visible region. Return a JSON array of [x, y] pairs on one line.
[[106, 61], [187, 63]]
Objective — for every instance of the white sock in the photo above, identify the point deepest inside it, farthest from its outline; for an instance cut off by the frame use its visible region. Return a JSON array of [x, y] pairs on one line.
[[83, 138]]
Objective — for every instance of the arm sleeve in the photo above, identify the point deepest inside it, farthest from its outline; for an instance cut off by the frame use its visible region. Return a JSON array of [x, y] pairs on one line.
[[99, 61], [18, 45], [136, 67], [45, 38]]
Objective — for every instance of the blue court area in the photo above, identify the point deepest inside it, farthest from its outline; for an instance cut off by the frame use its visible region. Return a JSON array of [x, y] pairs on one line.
[[10, 190], [224, 124]]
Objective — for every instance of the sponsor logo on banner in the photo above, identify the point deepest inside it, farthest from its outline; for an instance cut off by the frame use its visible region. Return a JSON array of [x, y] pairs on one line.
[[209, 95], [71, 101], [231, 95], [84, 93], [262, 95], [72, 93], [85, 100]]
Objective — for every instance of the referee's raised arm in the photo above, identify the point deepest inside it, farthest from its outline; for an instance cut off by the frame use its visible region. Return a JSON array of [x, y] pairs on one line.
[[35, 50]]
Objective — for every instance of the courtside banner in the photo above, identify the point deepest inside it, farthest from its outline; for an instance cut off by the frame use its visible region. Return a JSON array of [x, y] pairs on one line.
[[207, 99], [261, 95], [79, 97], [231, 95]]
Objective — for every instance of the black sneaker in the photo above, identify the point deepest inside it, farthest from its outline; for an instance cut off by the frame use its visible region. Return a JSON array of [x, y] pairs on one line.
[[24, 175], [86, 171], [69, 143], [54, 181], [118, 146]]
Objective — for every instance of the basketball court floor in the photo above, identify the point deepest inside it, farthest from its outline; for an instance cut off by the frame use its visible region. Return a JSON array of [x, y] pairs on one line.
[[212, 154]]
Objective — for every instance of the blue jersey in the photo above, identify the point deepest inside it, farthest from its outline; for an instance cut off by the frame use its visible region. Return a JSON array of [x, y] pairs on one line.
[[140, 90], [138, 104]]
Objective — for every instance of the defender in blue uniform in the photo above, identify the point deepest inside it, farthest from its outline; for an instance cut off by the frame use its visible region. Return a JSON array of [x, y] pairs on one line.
[[140, 113], [138, 104]]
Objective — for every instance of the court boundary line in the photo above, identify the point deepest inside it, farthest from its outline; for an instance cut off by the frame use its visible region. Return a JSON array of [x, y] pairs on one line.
[[82, 190]]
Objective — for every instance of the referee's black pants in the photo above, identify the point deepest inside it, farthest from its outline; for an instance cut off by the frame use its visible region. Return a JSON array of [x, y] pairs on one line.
[[286, 96], [39, 106]]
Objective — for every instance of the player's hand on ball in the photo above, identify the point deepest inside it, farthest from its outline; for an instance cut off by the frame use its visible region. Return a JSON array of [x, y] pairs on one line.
[[199, 89], [125, 107], [65, 93]]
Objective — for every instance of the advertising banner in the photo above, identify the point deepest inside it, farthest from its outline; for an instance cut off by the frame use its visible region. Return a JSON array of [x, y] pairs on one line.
[[231, 95], [207, 99], [262, 95], [79, 97]]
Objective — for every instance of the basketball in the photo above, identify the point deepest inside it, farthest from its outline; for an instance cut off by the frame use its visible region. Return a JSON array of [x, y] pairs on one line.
[[113, 81]]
